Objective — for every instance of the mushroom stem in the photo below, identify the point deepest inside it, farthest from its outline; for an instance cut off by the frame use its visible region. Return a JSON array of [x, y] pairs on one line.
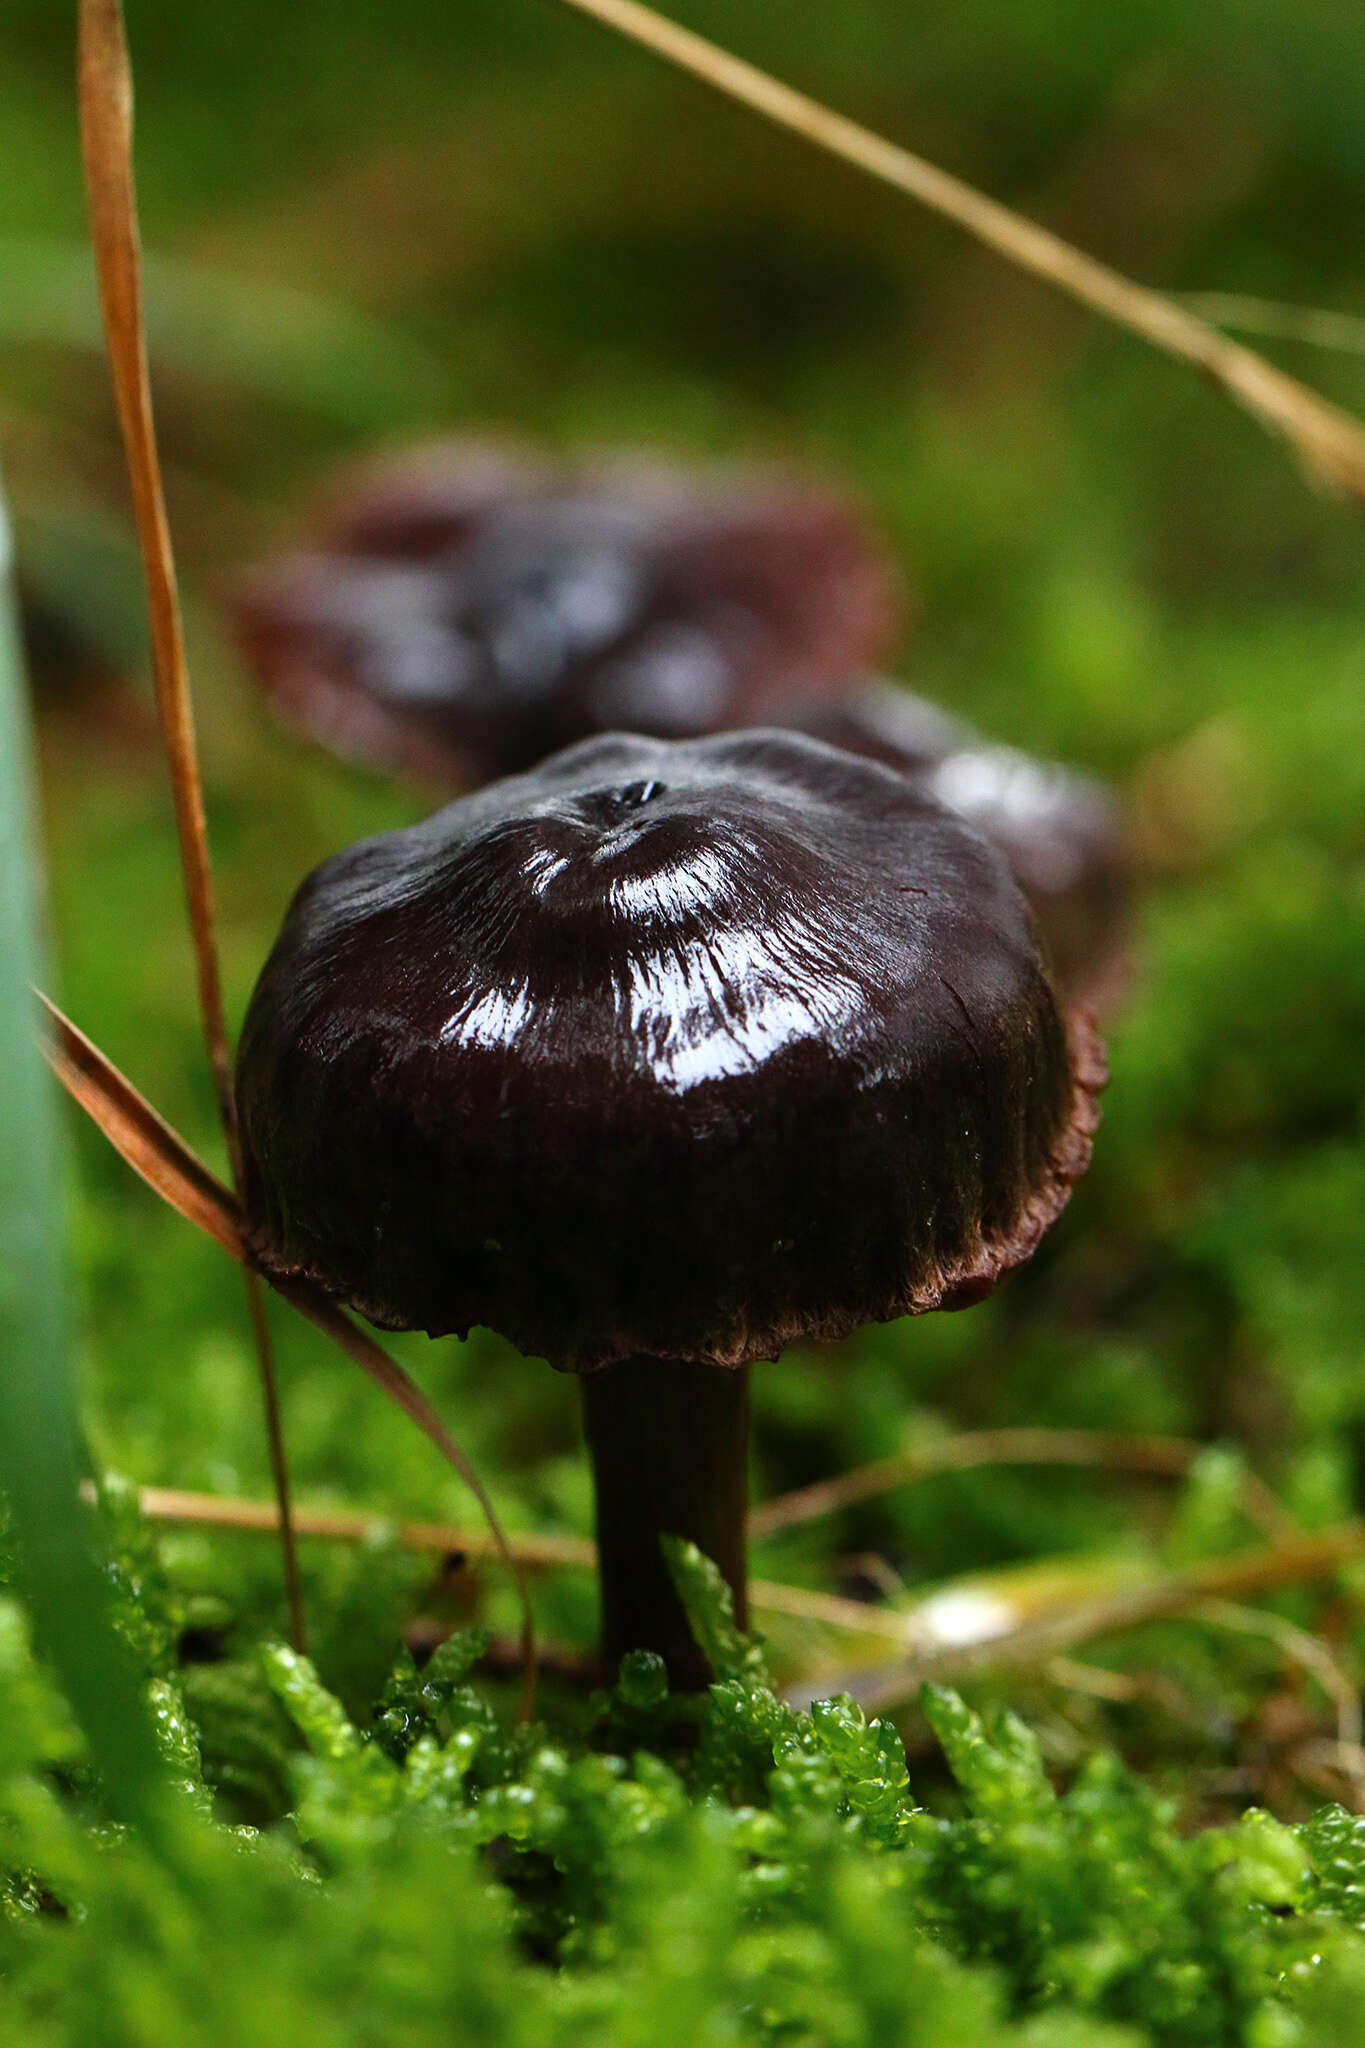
[[669, 1445]]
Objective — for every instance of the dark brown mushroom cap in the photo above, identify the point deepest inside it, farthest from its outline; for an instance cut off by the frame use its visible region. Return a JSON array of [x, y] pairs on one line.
[[1059, 829], [687, 1049], [466, 612]]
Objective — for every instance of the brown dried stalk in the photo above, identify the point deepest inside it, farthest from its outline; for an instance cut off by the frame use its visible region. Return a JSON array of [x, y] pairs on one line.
[[138, 1133], [1194, 1594], [160, 1157], [534, 1553], [1328, 442], [1110, 1450], [106, 104], [1290, 1562]]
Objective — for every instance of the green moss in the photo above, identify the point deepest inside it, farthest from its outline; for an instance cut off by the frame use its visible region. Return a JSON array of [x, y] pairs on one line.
[[747, 1874]]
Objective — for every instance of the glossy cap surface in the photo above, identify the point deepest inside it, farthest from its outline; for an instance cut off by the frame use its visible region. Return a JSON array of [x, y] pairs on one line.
[[690, 1050], [465, 612]]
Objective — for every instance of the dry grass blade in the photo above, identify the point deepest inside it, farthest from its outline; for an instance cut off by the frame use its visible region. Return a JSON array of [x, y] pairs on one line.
[[1038, 1641], [1096, 1683], [1328, 442], [161, 1158], [534, 1553], [142, 1137], [1103, 1450], [106, 103], [831, 1610], [344, 1525]]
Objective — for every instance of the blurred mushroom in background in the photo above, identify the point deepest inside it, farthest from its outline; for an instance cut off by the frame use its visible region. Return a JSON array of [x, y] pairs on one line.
[[466, 610], [1059, 829]]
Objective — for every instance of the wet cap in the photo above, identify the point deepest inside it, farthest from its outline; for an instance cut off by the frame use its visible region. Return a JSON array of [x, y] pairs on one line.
[[466, 611], [689, 1050]]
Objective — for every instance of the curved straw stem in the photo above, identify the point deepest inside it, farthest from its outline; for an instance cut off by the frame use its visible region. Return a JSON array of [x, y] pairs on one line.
[[161, 1158], [533, 1553], [1089, 1449], [1328, 442], [106, 103], [1038, 1640], [1309, 1652], [1188, 1594]]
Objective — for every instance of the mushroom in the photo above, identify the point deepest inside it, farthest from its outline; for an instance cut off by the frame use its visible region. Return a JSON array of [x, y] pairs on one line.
[[659, 1059], [465, 611], [1058, 828]]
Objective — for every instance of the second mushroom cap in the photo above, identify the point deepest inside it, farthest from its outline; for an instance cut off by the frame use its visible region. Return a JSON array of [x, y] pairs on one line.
[[465, 611]]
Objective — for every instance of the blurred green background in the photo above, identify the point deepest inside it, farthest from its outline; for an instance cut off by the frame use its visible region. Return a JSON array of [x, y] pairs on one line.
[[369, 224]]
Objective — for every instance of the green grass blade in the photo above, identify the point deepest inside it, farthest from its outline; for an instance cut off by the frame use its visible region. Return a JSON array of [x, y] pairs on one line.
[[38, 1425]]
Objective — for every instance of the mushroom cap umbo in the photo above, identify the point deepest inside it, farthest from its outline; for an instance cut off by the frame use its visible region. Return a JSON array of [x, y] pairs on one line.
[[687, 1050], [466, 611], [1058, 828]]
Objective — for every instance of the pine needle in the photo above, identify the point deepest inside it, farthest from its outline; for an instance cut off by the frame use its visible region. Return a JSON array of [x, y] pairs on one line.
[[1329, 442]]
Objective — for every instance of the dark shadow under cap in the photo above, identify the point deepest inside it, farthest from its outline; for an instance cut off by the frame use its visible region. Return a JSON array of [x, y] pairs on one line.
[[688, 1050]]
